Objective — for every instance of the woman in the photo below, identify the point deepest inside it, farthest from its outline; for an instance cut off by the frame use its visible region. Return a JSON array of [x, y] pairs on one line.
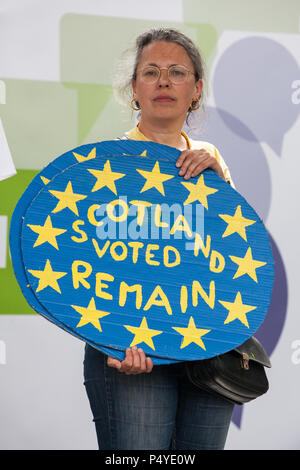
[[136, 405]]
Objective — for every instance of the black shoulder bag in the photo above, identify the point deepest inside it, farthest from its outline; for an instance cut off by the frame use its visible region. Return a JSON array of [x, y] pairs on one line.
[[238, 375]]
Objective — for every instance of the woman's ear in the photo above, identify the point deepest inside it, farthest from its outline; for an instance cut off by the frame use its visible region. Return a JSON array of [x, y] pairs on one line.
[[199, 88], [133, 86]]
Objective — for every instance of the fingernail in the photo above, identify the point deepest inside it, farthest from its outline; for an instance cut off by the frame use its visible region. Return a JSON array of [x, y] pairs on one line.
[[134, 348]]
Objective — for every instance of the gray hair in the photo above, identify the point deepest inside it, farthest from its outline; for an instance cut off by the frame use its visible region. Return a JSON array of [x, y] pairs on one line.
[[127, 66]]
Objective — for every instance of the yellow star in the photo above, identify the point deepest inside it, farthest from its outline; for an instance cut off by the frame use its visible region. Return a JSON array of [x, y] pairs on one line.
[[67, 199], [106, 177], [191, 334], [198, 192], [154, 179], [237, 310], [45, 180], [48, 277], [247, 265], [90, 314], [236, 223], [142, 334], [143, 154], [81, 158], [47, 233]]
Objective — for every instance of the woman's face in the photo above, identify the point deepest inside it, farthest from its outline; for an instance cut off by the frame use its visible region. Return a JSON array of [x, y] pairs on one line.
[[163, 99]]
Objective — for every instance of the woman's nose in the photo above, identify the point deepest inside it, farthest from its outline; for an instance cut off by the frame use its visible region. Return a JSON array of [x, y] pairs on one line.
[[164, 78]]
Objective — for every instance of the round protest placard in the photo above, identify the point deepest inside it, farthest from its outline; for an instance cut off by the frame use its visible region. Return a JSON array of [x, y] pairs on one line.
[[119, 250]]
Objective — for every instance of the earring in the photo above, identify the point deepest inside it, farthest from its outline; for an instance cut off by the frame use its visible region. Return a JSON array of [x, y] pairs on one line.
[[194, 105], [134, 105]]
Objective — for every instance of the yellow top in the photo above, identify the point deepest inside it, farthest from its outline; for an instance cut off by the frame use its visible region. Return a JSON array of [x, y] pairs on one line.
[[136, 134]]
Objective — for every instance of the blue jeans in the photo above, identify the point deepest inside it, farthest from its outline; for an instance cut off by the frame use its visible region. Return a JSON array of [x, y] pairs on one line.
[[155, 411]]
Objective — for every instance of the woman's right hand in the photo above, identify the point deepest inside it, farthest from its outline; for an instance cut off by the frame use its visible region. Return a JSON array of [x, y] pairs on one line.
[[135, 362]]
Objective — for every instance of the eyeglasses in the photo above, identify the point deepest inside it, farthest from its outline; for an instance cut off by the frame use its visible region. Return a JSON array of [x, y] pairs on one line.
[[176, 74]]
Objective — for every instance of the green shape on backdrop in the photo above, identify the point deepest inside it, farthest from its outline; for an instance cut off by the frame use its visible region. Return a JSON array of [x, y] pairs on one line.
[[39, 119], [266, 16], [206, 39], [12, 299], [91, 99]]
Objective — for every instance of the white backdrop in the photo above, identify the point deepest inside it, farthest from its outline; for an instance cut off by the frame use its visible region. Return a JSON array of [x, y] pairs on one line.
[[42, 398]]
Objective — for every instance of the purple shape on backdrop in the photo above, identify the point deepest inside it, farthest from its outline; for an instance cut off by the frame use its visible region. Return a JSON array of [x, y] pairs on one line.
[[270, 331], [252, 89], [253, 81], [245, 158]]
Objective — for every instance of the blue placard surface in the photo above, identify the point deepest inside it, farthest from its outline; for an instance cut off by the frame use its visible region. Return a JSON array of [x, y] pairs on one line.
[[120, 250]]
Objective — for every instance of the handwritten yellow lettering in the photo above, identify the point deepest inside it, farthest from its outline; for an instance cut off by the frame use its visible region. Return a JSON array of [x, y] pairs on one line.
[[79, 277], [124, 288], [100, 252], [198, 289], [163, 301], [115, 255], [157, 217], [183, 298], [214, 258], [110, 210], [91, 215], [167, 262], [200, 244], [78, 230], [178, 227], [140, 210], [149, 255], [100, 285], [135, 250]]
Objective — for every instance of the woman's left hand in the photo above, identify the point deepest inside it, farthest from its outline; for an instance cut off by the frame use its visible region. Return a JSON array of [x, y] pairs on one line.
[[193, 162], [135, 362]]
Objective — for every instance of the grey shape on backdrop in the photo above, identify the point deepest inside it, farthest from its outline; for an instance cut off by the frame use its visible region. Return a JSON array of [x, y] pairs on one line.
[[253, 81]]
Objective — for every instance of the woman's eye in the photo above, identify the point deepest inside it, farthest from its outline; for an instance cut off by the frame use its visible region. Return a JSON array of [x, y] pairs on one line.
[[150, 73], [177, 73]]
